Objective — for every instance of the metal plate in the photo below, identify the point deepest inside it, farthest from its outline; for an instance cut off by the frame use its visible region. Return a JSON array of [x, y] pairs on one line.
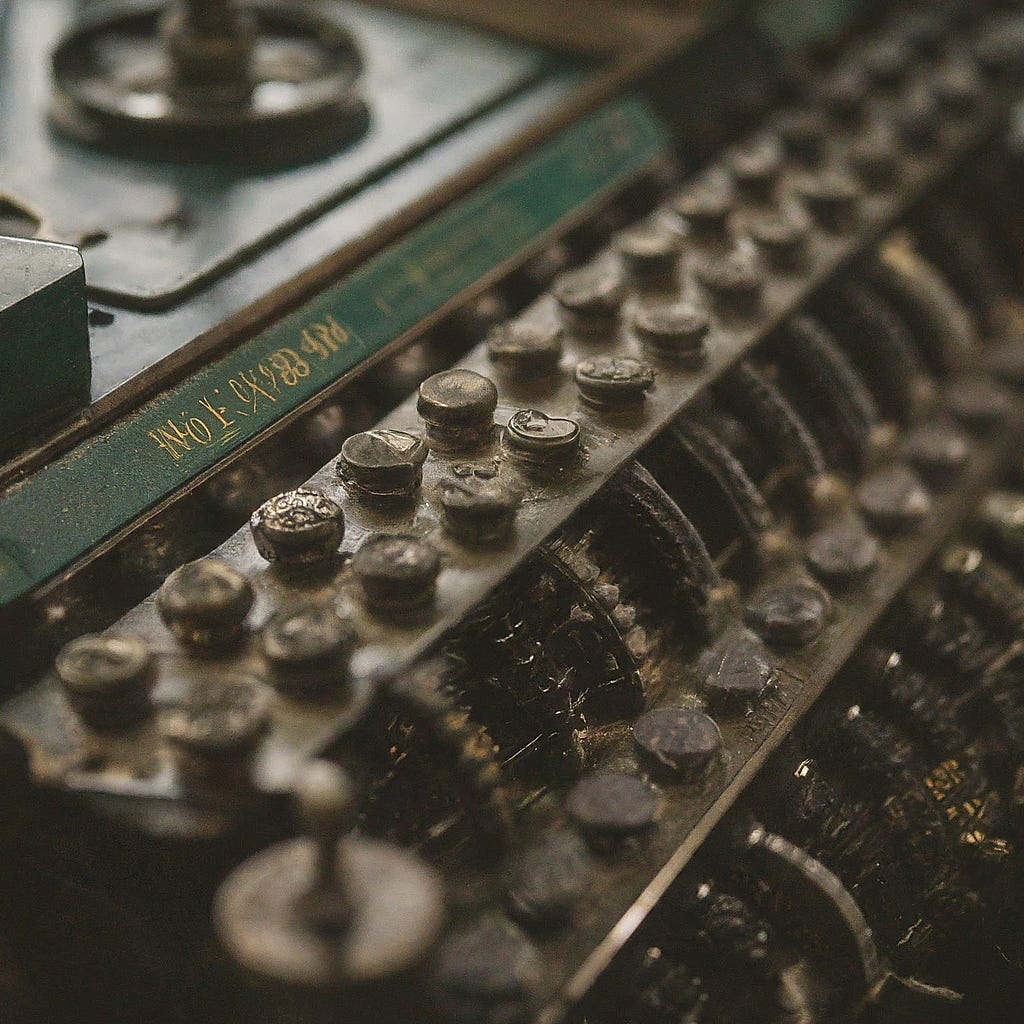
[[154, 231]]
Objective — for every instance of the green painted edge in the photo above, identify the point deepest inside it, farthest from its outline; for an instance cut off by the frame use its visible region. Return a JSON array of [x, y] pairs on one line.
[[68, 507]]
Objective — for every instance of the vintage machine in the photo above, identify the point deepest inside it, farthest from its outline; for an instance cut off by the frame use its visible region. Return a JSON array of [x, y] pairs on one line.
[[511, 512]]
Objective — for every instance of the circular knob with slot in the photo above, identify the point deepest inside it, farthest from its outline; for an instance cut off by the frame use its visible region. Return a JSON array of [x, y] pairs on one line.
[[210, 81]]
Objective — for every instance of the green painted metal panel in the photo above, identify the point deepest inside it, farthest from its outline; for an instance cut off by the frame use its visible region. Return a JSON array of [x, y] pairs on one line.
[[52, 518], [44, 337]]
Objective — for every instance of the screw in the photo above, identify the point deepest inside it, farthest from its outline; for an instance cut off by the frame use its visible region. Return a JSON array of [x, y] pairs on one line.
[[396, 572], [781, 235], [107, 679], [938, 451], [540, 438], [833, 198], [894, 499], [298, 528], [706, 204], [673, 329], [980, 403], [924, 30], [917, 119], [683, 741], [873, 155], [649, 252], [886, 61], [477, 508], [756, 164], [844, 93], [489, 973], [958, 86], [610, 804], [842, 553], [791, 614], [734, 280], [613, 381], [215, 734], [458, 409], [589, 298], [307, 648], [804, 133], [548, 878], [205, 603], [385, 463], [999, 45], [737, 670], [526, 350]]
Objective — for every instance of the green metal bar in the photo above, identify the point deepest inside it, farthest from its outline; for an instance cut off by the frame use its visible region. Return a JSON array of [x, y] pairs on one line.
[[68, 507]]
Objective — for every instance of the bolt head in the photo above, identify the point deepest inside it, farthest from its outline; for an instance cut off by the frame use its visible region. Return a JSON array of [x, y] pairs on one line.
[[680, 741], [673, 329], [223, 721], [589, 297], [706, 204], [755, 165], [842, 553], [457, 407], [205, 603], [833, 198], [611, 804], [477, 508], [396, 572], [894, 499], [649, 252], [383, 462], [734, 280], [780, 234], [737, 670], [307, 648], [298, 528], [542, 438], [107, 678], [525, 349], [790, 614], [613, 381]]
